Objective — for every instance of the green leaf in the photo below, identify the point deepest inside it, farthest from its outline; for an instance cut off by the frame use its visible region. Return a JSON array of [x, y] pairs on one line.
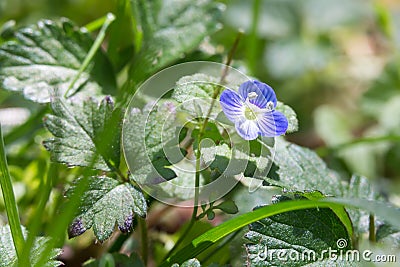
[[388, 234], [290, 115], [195, 86], [107, 203], [214, 235], [188, 263], [85, 134], [252, 159], [45, 58], [8, 256], [228, 206], [299, 169], [116, 259], [151, 143], [123, 35], [360, 187], [312, 231], [333, 263], [178, 28]]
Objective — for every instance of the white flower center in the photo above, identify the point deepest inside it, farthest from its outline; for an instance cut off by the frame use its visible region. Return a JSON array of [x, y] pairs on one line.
[[251, 111]]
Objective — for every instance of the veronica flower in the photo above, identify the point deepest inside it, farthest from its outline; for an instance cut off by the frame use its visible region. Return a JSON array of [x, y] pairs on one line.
[[252, 110]]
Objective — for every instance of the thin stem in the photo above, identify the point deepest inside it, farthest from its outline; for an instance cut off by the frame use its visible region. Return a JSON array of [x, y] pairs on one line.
[[372, 236], [221, 81], [144, 237], [100, 37], [9, 201], [198, 153], [253, 43], [195, 203]]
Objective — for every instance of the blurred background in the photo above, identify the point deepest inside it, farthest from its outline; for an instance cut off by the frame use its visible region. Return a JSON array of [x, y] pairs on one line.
[[336, 62]]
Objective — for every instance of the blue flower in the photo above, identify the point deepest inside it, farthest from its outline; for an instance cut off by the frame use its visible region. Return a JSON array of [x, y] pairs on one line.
[[252, 110]]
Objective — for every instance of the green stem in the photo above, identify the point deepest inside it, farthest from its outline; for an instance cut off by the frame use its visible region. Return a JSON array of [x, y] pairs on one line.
[[144, 237], [9, 201], [372, 236], [100, 37], [253, 45], [198, 153]]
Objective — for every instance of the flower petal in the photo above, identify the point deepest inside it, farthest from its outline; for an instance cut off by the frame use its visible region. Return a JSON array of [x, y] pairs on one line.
[[272, 124], [264, 93], [232, 105], [247, 129]]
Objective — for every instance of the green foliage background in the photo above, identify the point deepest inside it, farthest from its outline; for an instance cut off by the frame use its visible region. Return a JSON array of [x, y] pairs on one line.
[[335, 62]]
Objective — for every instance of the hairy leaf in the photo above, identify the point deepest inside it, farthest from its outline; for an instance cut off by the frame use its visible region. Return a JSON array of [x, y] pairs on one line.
[[8, 256], [251, 159], [44, 59], [151, 143], [290, 115], [298, 168], [178, 27], [360, 187], [188, 263], [293, 238], [107, 203], [85, 134]]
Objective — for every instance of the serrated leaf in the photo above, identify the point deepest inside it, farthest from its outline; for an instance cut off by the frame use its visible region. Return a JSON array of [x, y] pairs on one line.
[[116, 259], [290, 115], [299, 169], [8, 256], [195, 86], [188, 263], [105, 204], [301, 232], [151, 143], [178, 28], [194, 94], [46, 57], [85, 134], [359, 187]]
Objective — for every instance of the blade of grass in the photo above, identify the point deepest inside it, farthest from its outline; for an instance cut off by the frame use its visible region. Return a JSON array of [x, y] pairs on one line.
[[387, 212], [57, 229], [9, 201], [97, 43], [96, 24], [45, 189]]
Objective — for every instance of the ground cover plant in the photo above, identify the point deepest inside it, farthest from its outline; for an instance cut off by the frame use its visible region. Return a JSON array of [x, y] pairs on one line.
[[199, 133]]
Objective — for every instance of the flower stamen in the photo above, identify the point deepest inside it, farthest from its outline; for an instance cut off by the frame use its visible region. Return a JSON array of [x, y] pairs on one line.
[[252, 95]]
